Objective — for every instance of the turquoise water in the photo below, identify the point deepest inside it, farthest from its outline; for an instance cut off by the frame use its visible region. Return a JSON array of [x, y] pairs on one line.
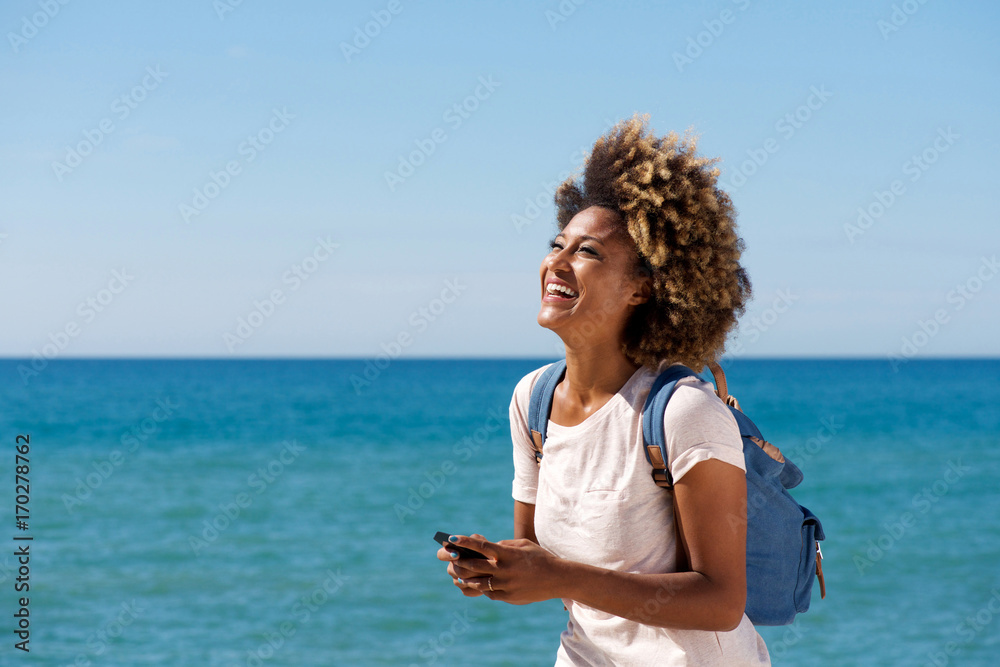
[[324, 494]]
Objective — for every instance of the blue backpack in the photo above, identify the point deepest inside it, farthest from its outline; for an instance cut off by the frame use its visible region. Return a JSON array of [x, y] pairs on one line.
[[783, 553]]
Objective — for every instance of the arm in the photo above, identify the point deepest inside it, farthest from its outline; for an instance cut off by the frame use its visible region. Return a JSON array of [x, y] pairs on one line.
[[712, 596], [711, 504], [524, 521]]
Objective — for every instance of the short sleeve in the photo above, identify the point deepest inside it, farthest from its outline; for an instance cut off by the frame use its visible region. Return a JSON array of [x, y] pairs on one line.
[[525, 486], [699, 426]]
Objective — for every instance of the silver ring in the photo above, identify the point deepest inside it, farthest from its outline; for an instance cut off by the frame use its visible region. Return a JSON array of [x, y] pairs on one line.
[[490, 583]]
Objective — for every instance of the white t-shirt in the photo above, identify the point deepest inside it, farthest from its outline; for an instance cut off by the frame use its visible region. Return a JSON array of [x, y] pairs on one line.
[[596, 503]]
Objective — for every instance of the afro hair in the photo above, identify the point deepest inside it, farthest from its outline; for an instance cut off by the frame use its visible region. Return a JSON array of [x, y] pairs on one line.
[[684, 228]]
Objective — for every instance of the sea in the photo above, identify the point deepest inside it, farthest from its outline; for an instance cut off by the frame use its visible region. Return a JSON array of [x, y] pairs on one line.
[[281, 512]]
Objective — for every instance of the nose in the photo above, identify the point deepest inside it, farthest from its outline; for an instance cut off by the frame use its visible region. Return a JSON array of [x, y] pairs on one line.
[[558, 259]]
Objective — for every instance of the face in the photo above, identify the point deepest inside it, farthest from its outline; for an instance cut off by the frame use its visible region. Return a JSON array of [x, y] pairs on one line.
[[589, 281]]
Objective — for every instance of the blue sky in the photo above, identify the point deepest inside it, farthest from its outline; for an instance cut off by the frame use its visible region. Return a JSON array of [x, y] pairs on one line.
[[172, 169]]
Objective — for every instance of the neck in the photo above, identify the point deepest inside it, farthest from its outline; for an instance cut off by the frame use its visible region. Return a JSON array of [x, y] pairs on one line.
[[597, 371]]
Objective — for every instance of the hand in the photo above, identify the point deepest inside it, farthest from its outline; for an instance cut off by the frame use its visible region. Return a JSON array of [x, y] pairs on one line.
[[468, 589], [519, 571]]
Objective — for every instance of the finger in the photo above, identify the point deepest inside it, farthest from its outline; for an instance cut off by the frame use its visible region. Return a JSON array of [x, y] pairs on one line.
[[481, 584], [470, 591], [478, 543], [444, 554], [467, 590], [497, 595], [462, 570], [471, 569], [448, 555], [519, 542]]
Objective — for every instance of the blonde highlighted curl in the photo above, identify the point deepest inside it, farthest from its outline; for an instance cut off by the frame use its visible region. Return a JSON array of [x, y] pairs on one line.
[[684, 228]]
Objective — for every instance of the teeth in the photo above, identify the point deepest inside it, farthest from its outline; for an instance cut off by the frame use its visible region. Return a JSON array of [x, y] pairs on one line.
[[553, 288]]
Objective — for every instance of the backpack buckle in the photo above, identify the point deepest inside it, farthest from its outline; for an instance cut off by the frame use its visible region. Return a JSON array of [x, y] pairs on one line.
[[661, 475], [661, 478], [536, 440]]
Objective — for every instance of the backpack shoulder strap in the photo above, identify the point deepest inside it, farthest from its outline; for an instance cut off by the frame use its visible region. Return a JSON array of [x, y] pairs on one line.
[[540, 406], [654, 440]]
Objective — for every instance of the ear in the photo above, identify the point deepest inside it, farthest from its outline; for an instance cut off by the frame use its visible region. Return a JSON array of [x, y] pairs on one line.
[[642, 289]]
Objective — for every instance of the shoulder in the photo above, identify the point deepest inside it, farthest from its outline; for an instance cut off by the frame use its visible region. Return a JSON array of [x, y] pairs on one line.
[[522, 390], [699, 426], [525, 384], [695, 402]]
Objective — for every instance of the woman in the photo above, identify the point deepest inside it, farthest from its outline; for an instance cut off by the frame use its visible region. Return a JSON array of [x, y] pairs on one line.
[[644, 272]]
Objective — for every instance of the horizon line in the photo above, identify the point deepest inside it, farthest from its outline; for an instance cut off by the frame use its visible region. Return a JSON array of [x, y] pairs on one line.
[[139, 357]]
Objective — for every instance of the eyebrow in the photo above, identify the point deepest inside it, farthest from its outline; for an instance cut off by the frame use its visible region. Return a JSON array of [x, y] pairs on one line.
[[583, 237]]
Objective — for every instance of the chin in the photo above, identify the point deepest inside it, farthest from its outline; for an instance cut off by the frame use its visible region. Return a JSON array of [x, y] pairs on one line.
[[547, 320]]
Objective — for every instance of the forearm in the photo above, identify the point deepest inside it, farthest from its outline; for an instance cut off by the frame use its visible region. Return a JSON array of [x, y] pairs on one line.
[[711, 597], [682, 600], [524, 521]]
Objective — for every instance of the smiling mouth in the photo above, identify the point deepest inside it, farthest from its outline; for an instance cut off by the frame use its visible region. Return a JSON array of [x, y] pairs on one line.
[[560, 291]]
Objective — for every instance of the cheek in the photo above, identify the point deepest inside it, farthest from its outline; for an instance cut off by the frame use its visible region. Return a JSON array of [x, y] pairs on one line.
[[626, 287]]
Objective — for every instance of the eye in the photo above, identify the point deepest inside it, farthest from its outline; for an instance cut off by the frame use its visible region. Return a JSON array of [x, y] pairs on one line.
[[556, 244]]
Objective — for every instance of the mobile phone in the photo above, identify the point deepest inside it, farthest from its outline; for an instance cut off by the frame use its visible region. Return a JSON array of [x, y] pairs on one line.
[[463, 552]]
